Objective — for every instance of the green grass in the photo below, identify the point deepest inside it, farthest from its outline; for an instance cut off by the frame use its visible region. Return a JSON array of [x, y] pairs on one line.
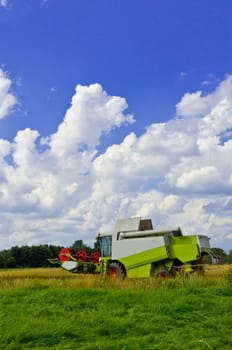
[[87, 313]]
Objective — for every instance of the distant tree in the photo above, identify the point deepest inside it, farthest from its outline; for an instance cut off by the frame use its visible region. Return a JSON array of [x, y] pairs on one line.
[[221, 253], [39, 255], [230, 256], [24, 258], [10, 262], [78, 245], [53, 251], [2, 262]]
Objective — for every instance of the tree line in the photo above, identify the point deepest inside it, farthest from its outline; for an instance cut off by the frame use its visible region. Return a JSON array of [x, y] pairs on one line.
[[37, 256]]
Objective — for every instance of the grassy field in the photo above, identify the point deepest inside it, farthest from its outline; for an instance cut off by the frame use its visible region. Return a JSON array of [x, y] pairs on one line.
[[54, 309]]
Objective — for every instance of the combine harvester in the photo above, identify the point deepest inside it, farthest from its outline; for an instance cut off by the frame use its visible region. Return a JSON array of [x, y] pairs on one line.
[[136, 250]]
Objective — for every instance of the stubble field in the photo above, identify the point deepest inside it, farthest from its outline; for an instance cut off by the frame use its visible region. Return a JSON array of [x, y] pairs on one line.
[[54, 309]]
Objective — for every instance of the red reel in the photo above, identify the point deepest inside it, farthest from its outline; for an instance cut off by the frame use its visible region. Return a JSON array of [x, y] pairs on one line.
[[64, 254], [81, 255], [94, 257]]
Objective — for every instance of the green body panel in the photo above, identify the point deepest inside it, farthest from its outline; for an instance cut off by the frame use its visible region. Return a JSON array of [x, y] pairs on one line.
[[140, 272], [103, 265], [184, 248], [144, 258]]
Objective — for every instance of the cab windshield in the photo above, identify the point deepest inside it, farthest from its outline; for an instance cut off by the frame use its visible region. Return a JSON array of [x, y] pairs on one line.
[[106, 245]]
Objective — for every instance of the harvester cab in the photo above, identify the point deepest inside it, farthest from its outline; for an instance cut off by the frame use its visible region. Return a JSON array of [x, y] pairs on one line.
[[105, 244]]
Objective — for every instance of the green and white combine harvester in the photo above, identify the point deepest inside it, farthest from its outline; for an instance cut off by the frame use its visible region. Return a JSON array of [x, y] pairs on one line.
[[136, 250]]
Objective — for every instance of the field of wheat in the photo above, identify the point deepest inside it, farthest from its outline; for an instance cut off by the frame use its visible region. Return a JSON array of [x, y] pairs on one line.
[[57, 277], [54, 309]]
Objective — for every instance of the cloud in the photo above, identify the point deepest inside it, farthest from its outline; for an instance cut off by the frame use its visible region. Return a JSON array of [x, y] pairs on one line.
[[197, 105], [92, 113], [7, 99], [200, 179], [3, 3], [206, 82], [179, 172], [183, 74]]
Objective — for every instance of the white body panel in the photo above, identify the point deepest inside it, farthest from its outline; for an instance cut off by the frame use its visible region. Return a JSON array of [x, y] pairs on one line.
[[127, 225], [142, 234], [127, 247]]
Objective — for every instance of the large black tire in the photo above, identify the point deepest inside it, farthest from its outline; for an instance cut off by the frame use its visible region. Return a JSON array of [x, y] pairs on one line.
[[116, 271]]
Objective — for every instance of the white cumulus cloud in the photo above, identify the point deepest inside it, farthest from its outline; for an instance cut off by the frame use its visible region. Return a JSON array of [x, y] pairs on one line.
[[179, 173], [7, 99], [92, 113]]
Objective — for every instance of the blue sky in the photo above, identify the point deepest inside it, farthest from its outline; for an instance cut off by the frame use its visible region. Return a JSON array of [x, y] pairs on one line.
[[156, 56], [136, 49]]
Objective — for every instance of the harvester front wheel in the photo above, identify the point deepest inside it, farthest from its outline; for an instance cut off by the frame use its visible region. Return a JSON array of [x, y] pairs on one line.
[[163, 274], [116, 271]]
